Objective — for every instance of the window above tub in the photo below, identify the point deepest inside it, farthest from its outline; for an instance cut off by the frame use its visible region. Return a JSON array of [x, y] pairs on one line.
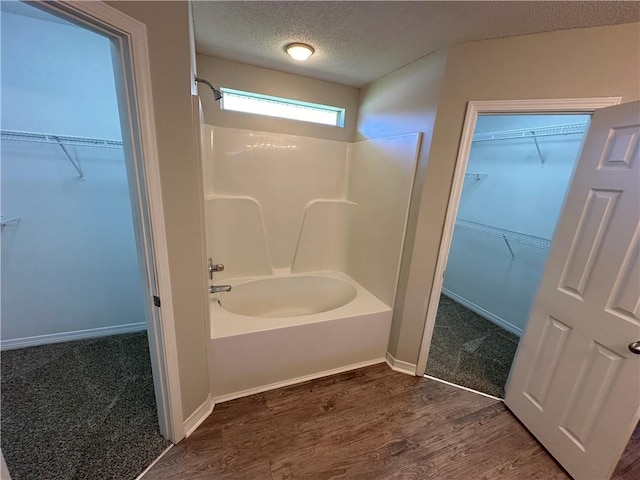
[[247, 102]]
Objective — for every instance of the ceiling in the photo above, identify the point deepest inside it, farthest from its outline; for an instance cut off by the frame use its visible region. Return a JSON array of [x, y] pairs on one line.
[[359, 41]]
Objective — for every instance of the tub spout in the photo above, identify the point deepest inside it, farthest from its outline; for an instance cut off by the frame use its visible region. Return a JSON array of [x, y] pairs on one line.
[[219, 288]]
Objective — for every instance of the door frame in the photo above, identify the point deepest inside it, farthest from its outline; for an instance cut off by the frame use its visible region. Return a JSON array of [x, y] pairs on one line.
[[130, 35], [475, 108]]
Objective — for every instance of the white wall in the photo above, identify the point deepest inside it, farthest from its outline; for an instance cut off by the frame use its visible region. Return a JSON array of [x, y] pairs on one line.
[[521, 194], [482, 276], [46, 88], [70, 264]]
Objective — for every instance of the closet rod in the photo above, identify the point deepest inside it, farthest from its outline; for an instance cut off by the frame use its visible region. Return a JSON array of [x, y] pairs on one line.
[[556, 130]]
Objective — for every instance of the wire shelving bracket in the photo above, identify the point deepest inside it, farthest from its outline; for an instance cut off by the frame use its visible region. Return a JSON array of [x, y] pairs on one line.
[[4, 222], [75, 162], [540, 156], [472, 179]]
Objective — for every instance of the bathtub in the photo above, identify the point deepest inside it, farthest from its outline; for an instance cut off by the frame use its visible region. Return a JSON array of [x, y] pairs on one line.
[[278, 330]]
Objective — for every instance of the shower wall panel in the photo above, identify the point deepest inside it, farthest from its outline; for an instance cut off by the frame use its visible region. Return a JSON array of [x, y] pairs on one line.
[[236, 235], [282, 173], [281, 201], [324, 235], [380, 182]]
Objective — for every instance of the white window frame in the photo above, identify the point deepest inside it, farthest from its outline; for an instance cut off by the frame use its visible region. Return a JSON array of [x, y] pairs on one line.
[[258, 101]]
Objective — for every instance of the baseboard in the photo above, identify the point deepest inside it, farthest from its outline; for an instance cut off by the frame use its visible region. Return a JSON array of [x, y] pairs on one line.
[[400, 366], [483, 313], [200, 415], [69, 336], [293, 381]]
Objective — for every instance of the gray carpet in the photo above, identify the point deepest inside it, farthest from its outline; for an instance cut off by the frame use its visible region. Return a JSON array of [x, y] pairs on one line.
[[79, 410], [469, 350]]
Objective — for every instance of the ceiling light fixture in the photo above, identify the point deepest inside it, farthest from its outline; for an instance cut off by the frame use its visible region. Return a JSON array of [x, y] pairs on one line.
[[299, 51]]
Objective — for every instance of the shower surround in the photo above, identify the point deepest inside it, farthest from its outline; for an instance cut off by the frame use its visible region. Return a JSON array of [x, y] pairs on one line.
[[310, 232]]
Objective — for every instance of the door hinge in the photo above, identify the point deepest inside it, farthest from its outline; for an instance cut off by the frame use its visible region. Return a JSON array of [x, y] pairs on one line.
[[156, 301]]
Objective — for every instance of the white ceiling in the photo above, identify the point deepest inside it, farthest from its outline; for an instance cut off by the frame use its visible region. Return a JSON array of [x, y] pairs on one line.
[[358, 42]]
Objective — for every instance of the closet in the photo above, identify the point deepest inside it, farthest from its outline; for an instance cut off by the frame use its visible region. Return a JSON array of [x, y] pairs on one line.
[[517, 176], [513, 193]]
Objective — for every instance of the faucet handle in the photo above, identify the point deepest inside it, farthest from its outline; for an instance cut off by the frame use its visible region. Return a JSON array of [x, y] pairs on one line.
[[214, 267]]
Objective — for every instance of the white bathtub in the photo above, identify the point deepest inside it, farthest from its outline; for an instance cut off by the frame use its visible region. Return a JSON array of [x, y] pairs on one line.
[[291, 296], [279, 330]]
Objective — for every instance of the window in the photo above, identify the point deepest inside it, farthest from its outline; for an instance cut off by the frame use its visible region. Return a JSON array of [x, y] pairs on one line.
[[247, 102]]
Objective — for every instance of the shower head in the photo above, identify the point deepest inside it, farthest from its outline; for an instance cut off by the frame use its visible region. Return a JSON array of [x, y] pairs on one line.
[[217, 94]]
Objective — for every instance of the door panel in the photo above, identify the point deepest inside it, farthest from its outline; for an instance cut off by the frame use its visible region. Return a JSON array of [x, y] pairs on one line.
[[575, 384]]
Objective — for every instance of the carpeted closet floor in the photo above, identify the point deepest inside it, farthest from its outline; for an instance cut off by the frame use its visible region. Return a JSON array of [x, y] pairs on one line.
[[79, 410], [469, 350]]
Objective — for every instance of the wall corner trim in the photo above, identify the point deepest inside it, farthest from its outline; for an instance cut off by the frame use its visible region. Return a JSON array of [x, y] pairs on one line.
[[400, 366], [136, 66], [198, 416]]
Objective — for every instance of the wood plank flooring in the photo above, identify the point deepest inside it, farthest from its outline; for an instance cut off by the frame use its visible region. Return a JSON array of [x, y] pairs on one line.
[[629, 465], [370, 423]]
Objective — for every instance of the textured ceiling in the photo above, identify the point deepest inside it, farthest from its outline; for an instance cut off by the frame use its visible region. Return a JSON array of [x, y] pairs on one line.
[[358, 42]]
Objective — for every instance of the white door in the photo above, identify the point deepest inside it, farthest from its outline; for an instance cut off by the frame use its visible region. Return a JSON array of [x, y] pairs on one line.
[[575, 382]]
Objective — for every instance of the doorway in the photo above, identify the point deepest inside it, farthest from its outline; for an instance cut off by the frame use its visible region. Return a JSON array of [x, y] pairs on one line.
[[565, 106], [518, 171], [79, 259]]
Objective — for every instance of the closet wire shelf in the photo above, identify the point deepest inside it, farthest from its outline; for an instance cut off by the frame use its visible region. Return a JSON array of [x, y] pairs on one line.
[[507, 235], [19, 136], [536, 132], [63, 141]]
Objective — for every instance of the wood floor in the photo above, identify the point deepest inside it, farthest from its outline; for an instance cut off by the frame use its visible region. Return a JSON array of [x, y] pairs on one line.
[[371, 423]]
